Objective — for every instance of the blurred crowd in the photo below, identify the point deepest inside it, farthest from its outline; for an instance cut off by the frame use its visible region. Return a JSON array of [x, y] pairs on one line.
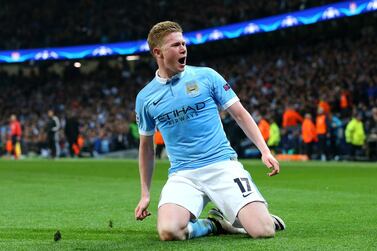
[[336, 78], [63, 23], [283, 87], [317, 98], [102, 103]]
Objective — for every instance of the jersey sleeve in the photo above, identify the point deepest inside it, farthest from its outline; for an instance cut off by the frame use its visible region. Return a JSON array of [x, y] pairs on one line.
[[222, 93], [144, 121]]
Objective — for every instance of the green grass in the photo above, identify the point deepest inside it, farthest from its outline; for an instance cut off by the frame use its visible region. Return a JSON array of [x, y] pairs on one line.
[[326, 206]]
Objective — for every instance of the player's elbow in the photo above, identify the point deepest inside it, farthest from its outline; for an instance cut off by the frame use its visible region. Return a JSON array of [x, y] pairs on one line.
[[241, 116]]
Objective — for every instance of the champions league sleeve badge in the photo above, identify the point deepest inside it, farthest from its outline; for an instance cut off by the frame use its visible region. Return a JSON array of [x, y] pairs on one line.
[[192, 89], [226, 87]]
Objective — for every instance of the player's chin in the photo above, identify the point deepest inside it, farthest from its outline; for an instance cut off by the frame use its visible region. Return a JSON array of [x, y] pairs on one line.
[[181, 67]]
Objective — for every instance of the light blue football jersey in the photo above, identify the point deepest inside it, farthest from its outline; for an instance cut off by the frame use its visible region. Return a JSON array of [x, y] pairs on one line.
[[185, 110]]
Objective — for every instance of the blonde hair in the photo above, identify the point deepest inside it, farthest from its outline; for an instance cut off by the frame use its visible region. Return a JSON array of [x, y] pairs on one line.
[[159, 31]]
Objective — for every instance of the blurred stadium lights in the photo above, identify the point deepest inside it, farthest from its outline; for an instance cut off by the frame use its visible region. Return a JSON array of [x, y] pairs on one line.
[[298, 18], [77, 64], [133, 57]]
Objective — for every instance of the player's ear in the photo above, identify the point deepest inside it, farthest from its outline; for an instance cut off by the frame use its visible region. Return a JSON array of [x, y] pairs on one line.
[[157, 52]]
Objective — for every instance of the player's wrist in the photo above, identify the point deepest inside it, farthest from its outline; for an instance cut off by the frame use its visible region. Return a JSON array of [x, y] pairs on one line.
[[145, 195], [266, 152]]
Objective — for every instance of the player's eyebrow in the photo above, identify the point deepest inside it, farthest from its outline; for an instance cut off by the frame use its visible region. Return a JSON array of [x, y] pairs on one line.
[[178, 43]]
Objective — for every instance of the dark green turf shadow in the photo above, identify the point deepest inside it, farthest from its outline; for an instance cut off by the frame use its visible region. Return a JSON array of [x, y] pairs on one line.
[[48, 233]]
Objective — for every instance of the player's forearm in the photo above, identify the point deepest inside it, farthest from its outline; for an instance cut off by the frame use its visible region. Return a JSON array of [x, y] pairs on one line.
[[146, 165], [250, 128], [248, 125]]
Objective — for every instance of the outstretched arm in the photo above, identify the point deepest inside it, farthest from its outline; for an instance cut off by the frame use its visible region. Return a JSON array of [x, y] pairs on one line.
[[146, 165], [250, 128]]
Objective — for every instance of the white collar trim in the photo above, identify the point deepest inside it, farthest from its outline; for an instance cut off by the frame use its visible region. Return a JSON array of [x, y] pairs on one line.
[[165, 80]]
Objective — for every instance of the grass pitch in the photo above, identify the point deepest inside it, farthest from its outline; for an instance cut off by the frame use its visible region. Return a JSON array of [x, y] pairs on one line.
[[326, 206]]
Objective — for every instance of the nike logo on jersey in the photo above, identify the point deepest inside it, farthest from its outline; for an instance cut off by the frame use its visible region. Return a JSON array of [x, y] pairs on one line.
[[245, 195], [156, 102]]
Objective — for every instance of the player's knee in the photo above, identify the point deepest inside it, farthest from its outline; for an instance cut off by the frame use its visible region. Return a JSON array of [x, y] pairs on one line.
[[263, 227], [263, 230], [171, 232]]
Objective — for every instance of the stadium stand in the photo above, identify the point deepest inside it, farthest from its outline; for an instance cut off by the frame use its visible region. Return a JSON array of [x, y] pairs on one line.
[[60, 23], [267, 76]]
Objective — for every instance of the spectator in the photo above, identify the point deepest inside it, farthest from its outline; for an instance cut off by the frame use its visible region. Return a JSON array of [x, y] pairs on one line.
[[159, 143], [52, 129], [274, 139], [336, 136], [133, 136], [372, 138], [355, 136], [322, 126], [291, 122], [291, 118], [324, 105], [309, 135], [15, 136], [264, 127], [72, 133]]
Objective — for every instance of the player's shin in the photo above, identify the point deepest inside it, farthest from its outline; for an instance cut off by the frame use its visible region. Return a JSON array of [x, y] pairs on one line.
[[198, 228]]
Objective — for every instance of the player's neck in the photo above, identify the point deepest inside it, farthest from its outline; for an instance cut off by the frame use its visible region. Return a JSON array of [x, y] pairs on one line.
[[163, 73]]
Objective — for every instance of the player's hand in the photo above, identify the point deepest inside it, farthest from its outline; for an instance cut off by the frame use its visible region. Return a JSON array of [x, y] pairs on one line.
[[141, 211], [271, 163]]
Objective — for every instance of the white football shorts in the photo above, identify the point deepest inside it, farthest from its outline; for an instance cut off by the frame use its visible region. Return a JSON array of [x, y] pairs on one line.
[[227, 184]]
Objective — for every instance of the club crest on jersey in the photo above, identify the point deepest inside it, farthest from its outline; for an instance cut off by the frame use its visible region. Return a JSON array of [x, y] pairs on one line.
[[192, 89]]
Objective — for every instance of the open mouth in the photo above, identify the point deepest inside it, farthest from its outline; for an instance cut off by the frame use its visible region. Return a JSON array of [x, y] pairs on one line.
[[182, 60]]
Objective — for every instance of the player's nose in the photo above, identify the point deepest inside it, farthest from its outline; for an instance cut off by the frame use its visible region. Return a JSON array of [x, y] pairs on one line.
[[182, 49]]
